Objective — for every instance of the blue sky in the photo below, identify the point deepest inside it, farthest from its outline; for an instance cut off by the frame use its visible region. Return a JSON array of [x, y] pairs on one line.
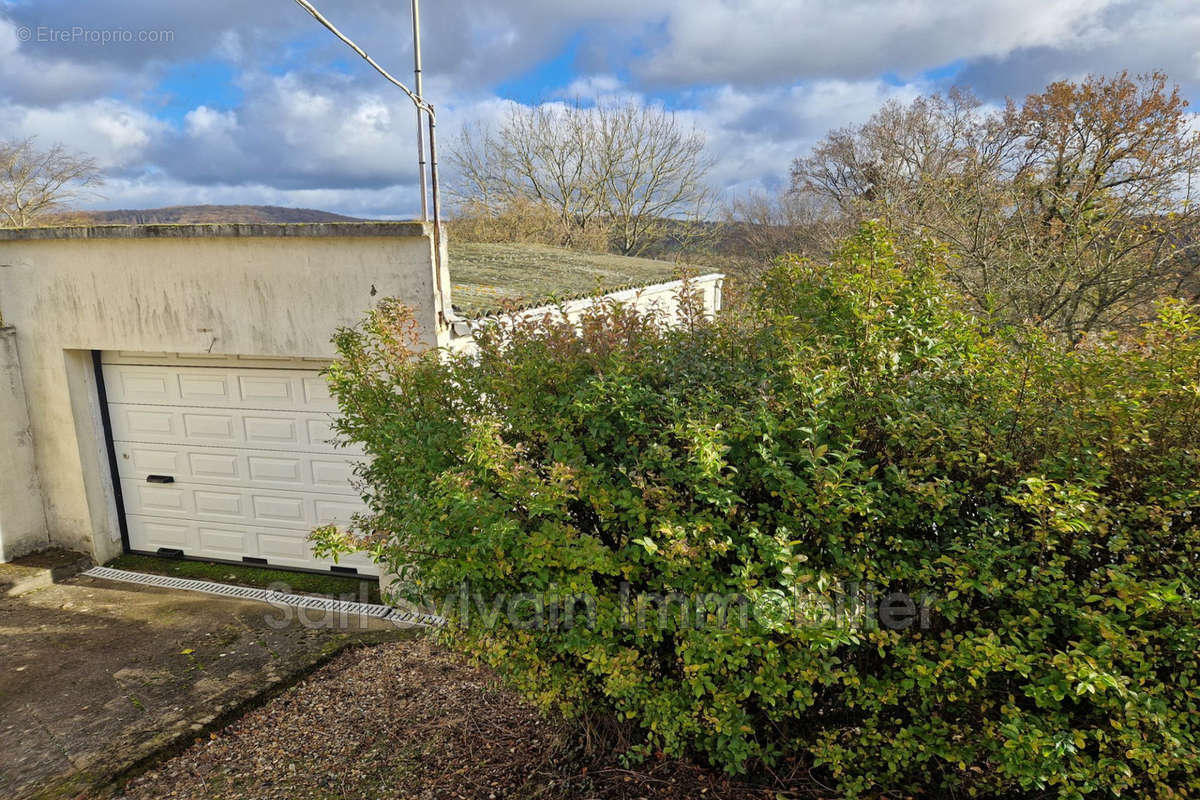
[[222, 102]]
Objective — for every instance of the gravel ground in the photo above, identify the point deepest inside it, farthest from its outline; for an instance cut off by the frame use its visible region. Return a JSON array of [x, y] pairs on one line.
[[406, 720]]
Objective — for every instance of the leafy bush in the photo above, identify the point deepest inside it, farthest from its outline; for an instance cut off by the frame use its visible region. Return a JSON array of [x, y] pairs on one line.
[[1026, 512]]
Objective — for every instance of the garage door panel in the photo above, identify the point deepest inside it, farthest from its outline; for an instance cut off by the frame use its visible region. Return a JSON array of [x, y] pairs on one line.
[[289, 550], [275, 431], [263, 430], [214, 467], [147, 423], [231, 542], [150, 534], [212, 503], [201, 388], [337, 511], [197, 539], [333, 475], [281, 546], [137, 460], [274, 389], [316, 393], [243, 461], [276, 469], [320, 429], [289, 510], [300, 510], [146, 387], [151, 498], [209, 427], [224, 466]]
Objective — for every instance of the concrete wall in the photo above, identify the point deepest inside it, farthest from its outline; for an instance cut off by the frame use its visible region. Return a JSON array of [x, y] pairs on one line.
[[228, 289], [246, 290], [22, 520]]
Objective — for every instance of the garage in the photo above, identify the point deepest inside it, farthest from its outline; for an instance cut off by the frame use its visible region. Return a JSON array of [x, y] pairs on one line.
[[228, 459], [160, 386]]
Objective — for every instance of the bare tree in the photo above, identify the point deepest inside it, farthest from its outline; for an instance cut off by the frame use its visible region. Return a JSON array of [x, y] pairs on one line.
[[655, 171], [760, 227], [538, 158], [36, 182], [627, 170], [1074, 209]]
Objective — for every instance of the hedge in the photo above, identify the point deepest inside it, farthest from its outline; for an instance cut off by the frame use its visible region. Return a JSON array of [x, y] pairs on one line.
[[846, 525]]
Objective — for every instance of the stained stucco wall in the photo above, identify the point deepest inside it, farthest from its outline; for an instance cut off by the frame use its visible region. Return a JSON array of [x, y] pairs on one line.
[[22, 519], [252, 290]]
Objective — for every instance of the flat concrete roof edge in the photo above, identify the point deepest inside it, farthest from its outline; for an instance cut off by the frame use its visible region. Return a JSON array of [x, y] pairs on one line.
[[218, 230]]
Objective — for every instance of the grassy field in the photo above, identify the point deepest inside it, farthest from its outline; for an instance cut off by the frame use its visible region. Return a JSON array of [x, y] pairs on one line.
[[484, 276]]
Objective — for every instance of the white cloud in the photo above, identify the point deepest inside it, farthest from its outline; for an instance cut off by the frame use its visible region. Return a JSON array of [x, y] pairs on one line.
[[203, 121], [594, 88], [763, 79], [754, 134], [1140, 36], [116, 134], [296, 134], [772, 41], [46, 80], [668, 42]]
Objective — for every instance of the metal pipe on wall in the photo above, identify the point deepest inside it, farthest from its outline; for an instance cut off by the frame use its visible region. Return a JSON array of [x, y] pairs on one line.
[[437, 202]]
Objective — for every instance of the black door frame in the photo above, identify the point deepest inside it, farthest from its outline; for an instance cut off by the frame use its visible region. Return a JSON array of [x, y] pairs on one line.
[[113, 468]]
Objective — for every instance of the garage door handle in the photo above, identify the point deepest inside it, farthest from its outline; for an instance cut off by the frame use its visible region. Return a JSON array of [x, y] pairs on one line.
[[160, 479]]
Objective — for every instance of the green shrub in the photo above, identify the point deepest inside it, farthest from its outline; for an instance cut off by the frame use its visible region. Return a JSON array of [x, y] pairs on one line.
[[851, 435]]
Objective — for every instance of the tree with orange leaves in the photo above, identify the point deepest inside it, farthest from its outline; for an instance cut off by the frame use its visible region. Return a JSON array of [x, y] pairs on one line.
[[1075, 209]]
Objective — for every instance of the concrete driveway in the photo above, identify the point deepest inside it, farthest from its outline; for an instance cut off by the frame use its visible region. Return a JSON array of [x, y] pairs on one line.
[[99, 678]]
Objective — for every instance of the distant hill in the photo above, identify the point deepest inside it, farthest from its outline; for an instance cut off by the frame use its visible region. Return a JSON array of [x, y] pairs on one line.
[[195, 214]]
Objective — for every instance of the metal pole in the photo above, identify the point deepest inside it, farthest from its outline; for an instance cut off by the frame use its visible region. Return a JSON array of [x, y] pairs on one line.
[[437, 203], [416, 23]]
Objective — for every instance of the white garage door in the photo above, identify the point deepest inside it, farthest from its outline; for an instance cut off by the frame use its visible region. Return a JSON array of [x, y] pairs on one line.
[[229, 462]]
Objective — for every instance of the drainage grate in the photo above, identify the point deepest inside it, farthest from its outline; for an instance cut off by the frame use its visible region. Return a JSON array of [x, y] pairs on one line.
[[395, 615]]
